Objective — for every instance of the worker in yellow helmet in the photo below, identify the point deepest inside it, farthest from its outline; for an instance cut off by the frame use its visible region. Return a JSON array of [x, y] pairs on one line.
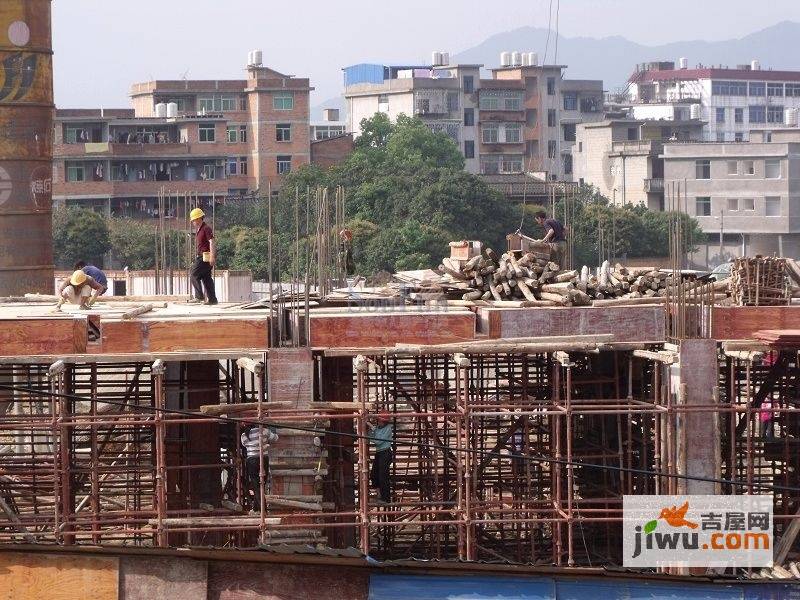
[[80, 289], [201, 274]]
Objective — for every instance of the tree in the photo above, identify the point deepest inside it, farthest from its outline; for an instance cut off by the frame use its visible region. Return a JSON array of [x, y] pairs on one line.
[[79, 234]]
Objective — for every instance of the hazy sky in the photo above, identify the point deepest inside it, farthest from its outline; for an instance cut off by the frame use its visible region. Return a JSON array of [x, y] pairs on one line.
[[102, 46]]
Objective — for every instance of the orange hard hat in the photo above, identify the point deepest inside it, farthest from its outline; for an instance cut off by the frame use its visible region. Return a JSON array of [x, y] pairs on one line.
[[385, 417]]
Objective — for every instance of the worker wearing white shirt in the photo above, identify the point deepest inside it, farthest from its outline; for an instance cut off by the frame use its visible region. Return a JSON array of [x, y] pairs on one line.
[[255, 440]]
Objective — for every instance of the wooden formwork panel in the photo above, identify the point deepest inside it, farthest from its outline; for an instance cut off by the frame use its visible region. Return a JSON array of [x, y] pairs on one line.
[[741, 322], [148, 578], [625, 323], [290, 375], [45, 336], [354, 330], [183, 335], [26, 576]]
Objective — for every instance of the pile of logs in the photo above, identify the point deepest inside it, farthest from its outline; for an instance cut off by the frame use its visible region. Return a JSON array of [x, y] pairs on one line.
[[533, 278], [759, 281]]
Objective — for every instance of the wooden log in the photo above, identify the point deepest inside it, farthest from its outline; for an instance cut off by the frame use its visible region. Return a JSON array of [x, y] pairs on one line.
[[558, 288], [135, 312], [526, 291], [629, 301], [278, 501]]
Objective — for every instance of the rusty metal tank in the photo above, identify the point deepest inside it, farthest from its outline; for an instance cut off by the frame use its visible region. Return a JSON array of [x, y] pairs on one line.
[[26, 148]]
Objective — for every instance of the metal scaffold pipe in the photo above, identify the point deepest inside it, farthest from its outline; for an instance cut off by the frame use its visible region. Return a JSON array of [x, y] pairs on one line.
[[26, 149]]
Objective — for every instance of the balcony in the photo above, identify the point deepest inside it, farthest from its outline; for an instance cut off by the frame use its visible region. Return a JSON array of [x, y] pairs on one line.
[[654, 186], [63, 189], [163, 151]]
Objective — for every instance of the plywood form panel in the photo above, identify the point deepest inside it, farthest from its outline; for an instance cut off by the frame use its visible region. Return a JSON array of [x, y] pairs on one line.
[[290, 375], [218, 334], [387, 329], [122, 337], [57, 577], [741, 322], [626, 323], [145, 578], [240, 581], [54, 336]]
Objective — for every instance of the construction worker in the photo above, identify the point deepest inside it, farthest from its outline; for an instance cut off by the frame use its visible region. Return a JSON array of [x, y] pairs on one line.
[[201, 274], [255, 441], [346, 252], [382, 435], [94, 273], [555, 237], [80, 289]]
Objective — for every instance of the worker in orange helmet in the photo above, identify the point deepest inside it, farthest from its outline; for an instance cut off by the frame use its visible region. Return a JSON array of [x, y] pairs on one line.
[[382, 436], [80, 289]]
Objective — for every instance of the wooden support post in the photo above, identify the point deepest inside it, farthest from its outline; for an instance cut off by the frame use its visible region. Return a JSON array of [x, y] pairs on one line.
[[157, 370], [361, 366]]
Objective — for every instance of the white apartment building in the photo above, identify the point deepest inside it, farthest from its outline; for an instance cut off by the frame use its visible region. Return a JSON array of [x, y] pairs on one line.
[[522, 119], [731, 101]]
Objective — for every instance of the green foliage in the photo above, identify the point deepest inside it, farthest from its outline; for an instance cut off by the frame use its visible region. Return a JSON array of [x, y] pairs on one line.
[[79, 233], [134, 245]]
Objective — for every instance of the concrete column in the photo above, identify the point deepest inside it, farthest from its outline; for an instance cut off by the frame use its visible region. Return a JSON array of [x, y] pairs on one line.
[[695, 383]]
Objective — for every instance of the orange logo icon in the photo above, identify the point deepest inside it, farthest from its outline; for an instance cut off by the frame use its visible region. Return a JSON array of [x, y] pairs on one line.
[[676, 516]]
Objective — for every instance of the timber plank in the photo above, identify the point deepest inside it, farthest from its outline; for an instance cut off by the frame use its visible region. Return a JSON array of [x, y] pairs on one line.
[[212, 334], [742, 322], [356, 330], [57, 577], [122, 337], [290, 376]]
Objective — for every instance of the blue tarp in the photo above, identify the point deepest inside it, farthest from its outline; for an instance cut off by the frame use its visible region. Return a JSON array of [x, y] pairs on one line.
[[432, 587], [364, 73]]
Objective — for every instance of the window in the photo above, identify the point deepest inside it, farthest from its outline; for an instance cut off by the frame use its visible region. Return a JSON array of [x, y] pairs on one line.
[[513, 103], [216, 103], [208, 132], [243, 102], [242, 165], [469, 149], [580, 146], [733, 167], [702, 169], [772, 168], [772, 206], [500, 100], [733, 204], [633, 133], [748, 204], [774, 89], [793, 90], [758, 114], [243, 134], [469, 84], [738, 115], [283, 101], [511, 164], [232, 166], [75, 135], [232, 134], [209, 172], [513, 133], [423, 106], [721, 114], [118, 172], [569, 132], [567, 164], [729, 88], [748, 167], [551, 117], [738, 137], [702, 206], [571, 101], [775, 114], [490, 134], [452, 101], [551, 86], [720, 136], [469, 117], [757, 88], [283, 132], [551, 149], [768, 135], [284, 164], [383, 103], [75, 173]]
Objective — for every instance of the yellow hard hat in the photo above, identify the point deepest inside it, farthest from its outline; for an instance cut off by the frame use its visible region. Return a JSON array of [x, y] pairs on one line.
[[196, 213], [78, 278]]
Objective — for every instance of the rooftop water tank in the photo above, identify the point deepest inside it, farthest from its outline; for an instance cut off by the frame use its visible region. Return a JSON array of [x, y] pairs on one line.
[[683, 62], [258, 58], [250, 59], [755, 65], [161, 110], [533, 59], [172, 110], [516, 58], [505, 59], [445, 58]]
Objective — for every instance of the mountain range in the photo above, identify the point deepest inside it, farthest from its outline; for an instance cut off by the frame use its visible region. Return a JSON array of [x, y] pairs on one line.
[[614, 58]]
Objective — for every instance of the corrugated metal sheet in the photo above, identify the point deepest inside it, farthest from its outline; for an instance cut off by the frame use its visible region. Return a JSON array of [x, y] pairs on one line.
[[364, 73], [421, 587]]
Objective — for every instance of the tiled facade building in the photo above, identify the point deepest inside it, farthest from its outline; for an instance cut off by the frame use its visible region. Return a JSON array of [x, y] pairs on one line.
[[206, 139]]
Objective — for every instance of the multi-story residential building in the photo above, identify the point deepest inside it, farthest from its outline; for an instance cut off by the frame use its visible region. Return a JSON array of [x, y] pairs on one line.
[[202, 138], [746, 197], [622, 157], [522, 119], [731, 101], [330, 126]]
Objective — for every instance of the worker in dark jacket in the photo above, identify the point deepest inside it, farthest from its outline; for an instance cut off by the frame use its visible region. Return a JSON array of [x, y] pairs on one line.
[[555, 237], [93, 272], [202, 274], [382, 436]]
